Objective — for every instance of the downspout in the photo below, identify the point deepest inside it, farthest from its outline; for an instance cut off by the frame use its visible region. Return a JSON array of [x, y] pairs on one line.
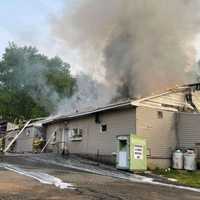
[[189, 100]]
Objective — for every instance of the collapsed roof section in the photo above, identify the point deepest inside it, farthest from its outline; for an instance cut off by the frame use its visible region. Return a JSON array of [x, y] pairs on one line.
[[184, 98]]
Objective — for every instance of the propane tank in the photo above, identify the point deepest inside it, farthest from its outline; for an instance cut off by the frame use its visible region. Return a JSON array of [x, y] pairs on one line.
[[190, 160], [178, 159]]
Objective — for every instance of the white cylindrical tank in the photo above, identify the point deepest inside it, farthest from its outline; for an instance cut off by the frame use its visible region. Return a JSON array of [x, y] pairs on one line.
[[178, 159], [190, 160]]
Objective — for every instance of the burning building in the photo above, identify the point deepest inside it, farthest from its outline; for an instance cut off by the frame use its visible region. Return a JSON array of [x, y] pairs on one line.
[[160, 119], [132, 48]]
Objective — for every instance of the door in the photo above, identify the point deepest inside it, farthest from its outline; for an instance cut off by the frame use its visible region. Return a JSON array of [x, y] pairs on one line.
[[123, 153]]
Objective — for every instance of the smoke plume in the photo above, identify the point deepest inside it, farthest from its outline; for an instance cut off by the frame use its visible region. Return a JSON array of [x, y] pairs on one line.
[[88, 95], [138, 46]]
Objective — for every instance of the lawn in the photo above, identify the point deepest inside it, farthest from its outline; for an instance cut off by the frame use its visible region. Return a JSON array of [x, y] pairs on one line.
[[183, 177]]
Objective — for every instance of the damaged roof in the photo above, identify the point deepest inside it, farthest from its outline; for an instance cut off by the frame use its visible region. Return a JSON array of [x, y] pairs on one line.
[[185, 98], [37, 122], [181, 98], [114, 106]]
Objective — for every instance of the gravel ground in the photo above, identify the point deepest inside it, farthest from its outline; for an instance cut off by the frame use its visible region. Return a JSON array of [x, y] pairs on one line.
[[89, 186]]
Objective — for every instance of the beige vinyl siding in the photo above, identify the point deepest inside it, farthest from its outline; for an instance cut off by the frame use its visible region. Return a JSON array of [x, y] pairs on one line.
[[83, 146], [119, 122], [188, 129], [160, 133]]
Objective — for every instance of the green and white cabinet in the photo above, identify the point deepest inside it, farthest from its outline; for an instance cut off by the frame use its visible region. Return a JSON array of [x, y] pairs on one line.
[[131, 154]]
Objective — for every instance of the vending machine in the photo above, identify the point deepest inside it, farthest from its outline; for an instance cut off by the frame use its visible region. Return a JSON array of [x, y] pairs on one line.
[[131, 153]]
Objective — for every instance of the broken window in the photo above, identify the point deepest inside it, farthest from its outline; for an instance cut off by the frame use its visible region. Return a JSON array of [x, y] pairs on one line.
[[103, 128]]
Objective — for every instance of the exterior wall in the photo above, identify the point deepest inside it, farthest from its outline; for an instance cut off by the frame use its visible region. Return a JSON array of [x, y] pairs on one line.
[[24, 142], [159, 132], [188, 130], [160, 163], [94, 142], [105, 143]]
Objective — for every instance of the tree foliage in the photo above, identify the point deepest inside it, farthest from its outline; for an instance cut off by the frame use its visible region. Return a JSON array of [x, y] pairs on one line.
[[31, 84]]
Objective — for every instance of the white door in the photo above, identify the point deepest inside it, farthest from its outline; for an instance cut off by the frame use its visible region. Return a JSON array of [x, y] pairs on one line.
[[123, 159], [123, 154]]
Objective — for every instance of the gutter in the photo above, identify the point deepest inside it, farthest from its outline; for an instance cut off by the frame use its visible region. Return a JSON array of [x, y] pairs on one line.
[[87, 113]]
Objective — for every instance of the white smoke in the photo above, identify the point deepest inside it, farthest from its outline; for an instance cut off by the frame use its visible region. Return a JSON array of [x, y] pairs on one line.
[[89, 94]]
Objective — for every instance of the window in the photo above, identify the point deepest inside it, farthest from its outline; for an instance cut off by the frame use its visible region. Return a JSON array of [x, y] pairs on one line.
[[160, 114], [76, 134], [103, 128], [123, 145]]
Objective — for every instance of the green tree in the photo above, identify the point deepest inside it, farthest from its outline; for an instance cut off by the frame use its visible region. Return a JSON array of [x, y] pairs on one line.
[[31, 84]]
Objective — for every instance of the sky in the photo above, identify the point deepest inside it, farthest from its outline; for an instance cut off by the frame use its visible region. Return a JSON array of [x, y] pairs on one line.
[[19, 17], [28, 22]]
